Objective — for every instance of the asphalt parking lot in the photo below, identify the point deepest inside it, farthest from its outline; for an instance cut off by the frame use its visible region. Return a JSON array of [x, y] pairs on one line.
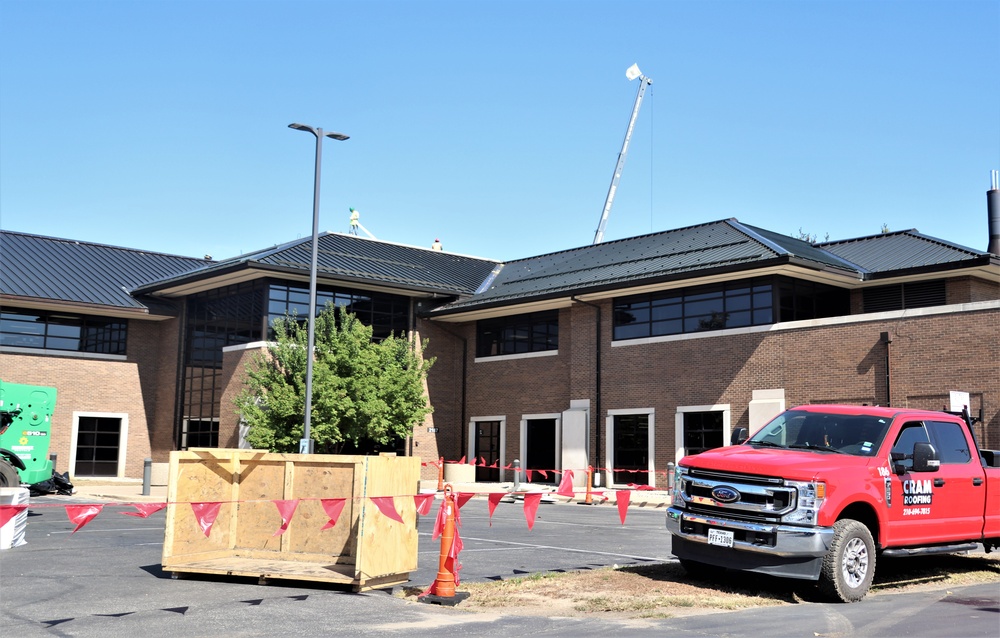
[[106, 580]]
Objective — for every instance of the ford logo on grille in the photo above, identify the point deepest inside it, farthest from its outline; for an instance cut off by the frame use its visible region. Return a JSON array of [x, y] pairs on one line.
[[725, 494]]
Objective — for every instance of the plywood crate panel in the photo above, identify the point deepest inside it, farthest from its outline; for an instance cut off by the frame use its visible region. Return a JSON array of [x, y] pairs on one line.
[[364, 549]]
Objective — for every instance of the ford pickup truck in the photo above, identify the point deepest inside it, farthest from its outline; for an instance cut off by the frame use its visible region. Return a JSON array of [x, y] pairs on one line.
[[822, 491]]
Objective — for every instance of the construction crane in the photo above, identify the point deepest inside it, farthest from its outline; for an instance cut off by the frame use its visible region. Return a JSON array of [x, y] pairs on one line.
[[631, 73]]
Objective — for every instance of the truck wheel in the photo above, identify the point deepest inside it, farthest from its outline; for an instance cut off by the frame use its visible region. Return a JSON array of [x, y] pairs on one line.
[[8, 475], [849, 565]]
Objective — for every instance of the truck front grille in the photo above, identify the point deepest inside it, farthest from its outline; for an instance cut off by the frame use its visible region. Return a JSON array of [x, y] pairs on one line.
[[758, 499]]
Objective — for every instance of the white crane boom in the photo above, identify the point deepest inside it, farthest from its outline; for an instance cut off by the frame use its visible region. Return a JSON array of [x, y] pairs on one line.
[[632, 73]]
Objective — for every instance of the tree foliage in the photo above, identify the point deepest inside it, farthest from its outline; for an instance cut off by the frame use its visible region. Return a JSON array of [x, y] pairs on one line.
[[366, 394]]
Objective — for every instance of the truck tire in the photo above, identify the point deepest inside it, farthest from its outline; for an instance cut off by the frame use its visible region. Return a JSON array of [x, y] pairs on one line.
[[849, 564], [8, 475]]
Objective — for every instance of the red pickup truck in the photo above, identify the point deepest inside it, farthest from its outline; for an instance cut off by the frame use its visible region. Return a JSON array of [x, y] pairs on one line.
[[822, 490]]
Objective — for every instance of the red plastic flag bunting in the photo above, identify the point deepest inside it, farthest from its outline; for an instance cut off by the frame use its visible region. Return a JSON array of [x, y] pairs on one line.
[[333, 507], [528, 474], [286, 508], [566, 485], [494, 498], [545, 475], [496, 464], [8, 512], [145, 509], [462, 498], [622, 498], [387, 505], [482, 461], [82, 514], [423, 503], [205, 514], [531, 501], [461, 461]]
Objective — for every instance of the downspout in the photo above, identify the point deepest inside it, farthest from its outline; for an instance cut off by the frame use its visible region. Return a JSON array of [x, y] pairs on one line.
[[597, 383], [888, 376]]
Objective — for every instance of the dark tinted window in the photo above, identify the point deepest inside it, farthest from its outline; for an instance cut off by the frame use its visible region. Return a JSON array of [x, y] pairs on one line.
[[952, 445], [911, 433], [518, 334]]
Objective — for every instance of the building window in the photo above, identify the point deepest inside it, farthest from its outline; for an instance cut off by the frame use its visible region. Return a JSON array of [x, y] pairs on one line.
[[386, 314], [62, 331], [733, 304], [702, 431], [518, 334], [98, 445], [917, 294], [200, 433], [799, 299], [701, 427]]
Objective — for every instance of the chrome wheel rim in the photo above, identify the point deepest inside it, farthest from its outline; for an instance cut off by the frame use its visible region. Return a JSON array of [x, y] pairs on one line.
[[854, 565]]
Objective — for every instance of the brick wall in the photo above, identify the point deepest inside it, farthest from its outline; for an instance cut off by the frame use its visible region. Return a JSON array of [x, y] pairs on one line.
[[928, 356], [140, 387]]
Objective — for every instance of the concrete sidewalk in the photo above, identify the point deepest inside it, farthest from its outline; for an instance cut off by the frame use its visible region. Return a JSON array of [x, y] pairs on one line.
[[130, 491]]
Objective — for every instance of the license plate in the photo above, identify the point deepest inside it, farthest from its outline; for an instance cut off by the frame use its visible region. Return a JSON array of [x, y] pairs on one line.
[[720, 537]]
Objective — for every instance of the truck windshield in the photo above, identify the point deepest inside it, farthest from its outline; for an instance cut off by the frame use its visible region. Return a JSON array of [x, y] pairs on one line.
[[860, 435]]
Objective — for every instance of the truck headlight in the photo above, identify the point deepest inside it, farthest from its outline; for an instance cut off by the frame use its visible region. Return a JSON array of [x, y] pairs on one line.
[[680, 479], [809, 499]]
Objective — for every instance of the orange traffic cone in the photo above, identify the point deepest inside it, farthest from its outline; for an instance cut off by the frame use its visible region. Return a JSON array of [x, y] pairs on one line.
[[441, 474], [443, 590]]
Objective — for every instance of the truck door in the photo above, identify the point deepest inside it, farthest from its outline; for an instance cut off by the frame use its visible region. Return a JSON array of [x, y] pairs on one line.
[[960, 485], [910, 522], [942, 506]]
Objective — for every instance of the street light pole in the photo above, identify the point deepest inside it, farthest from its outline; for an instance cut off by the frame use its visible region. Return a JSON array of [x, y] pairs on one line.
[[306, 444]]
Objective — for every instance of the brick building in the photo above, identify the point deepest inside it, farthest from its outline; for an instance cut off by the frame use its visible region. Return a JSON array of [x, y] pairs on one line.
[[625, 355]]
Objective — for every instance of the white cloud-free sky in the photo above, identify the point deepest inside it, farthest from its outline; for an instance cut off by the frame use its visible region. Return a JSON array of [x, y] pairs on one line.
[[496, 125]]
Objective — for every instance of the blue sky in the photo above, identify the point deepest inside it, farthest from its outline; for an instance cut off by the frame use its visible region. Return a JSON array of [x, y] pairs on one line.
[[494, 126]]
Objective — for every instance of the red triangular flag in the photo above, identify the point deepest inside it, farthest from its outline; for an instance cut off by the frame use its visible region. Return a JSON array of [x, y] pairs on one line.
[[482, 461], [545, 475], [145, 509], [286, 509], [622, 497], [528, 474], [82, 514], [423, 503], [494, 498], [566, 485], [439, 521], [496, 464], [333, 507], [205, 514], [8, 512], [462, 498], [387, 506], [461, 461], [531, 501]]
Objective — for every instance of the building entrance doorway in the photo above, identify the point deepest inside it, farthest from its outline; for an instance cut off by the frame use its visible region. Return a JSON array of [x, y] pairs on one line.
[[540, 449], [488, 448]]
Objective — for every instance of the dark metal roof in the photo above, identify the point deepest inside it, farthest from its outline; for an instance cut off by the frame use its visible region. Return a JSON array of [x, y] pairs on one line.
[[900, 250], [359, 259], [73, 271], [686, 251]]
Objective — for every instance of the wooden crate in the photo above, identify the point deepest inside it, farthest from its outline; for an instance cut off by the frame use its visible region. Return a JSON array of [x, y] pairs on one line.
[[364, 550]]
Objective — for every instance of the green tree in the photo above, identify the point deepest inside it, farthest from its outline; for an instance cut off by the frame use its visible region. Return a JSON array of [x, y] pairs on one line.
[[366, 394]]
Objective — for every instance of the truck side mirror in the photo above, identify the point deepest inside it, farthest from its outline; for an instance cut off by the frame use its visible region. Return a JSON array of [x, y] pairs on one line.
[[739, 435], [925, 458]]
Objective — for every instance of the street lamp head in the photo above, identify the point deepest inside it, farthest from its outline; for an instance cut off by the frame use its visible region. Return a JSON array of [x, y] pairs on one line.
[[337, 136]]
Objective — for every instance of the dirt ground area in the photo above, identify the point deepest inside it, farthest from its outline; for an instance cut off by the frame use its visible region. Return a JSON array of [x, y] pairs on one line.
[[665, 590]]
